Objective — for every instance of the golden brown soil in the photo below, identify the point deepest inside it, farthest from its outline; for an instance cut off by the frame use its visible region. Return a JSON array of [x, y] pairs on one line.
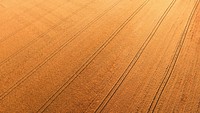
[[111, 56]]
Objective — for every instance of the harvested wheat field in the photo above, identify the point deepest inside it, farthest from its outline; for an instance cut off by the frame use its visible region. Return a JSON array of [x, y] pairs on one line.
[[110, 56]]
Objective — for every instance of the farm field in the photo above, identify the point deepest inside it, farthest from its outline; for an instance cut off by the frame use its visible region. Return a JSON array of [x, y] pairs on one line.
[[92, 56]]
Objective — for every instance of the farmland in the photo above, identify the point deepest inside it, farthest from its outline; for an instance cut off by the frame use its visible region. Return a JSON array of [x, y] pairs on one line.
[[110, 56]]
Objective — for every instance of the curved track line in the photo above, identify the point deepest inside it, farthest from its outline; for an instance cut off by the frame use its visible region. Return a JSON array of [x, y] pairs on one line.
[[30, 23], [170, 69], [133, 62], [43, 34], [67, 83], [55, 52]]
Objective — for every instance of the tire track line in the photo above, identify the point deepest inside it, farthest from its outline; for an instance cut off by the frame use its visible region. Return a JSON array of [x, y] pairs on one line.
[[171, 67], [133, 62], [43, 34], [67, 83], [56, 51], [30, 23]]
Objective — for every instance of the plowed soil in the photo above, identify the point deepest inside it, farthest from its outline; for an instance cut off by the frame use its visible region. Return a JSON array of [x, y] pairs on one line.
[[110, 56]]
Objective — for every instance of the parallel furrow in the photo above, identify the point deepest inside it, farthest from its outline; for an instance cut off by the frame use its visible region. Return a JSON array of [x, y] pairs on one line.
[[43, 34], [30, 23], [67, 83], [57, 51], [170, 69], [134, 60]]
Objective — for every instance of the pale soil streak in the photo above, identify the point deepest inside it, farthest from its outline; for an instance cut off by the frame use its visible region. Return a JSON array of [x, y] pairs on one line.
[[57, 67], [182, 92]]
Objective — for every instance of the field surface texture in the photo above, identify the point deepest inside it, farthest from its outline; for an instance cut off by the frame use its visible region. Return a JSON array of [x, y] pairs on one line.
[[92, 56]]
